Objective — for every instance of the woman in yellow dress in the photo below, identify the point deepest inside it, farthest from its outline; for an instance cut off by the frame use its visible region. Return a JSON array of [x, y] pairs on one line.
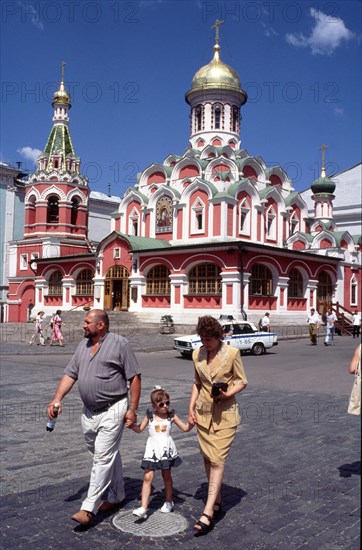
[[216, 417]]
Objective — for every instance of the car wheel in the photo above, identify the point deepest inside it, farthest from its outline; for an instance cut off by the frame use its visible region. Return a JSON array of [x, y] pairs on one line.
[[258, 349], [186, 354]]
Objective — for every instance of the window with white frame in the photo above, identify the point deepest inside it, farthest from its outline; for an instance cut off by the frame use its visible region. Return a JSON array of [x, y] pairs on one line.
[[244, 217], [217, 116], [294, 223], [354, 291], [133, 224], [23, 261], [116, 253], [198, 217], [34, 256], [270, 222]]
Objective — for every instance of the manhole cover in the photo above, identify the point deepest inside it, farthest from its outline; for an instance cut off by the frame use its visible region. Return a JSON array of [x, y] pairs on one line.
[[157, 524]]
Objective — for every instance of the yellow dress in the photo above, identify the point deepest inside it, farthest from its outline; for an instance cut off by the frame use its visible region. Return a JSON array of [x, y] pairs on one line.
[[217, 422]]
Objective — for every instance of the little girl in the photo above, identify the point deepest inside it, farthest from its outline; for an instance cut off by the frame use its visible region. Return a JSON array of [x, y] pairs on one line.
[[161, 453]]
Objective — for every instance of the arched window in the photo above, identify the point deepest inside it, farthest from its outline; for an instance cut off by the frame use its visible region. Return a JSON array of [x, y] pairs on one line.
[[295, 285], [53, 209], [198, 217], [244, 213], [205, 279], [84, 283], [133, 223], [158, 281], [217, 116], [354, 291], [294, 223], [31, 210], [270, 223], [198, 117], [235, 120], [261, 281], [55, 287], [75, 208]]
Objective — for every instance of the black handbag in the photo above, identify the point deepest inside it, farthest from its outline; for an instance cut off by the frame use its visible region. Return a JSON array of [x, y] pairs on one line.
[[216, 387]]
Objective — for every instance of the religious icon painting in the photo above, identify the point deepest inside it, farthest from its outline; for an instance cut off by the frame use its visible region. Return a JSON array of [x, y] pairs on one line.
[[164, 215]]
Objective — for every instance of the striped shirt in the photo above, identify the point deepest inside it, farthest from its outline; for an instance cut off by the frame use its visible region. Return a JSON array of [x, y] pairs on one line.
[[102, 377]]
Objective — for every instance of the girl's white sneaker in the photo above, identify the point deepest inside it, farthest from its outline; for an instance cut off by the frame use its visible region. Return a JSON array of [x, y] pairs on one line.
[[167, 507], [140, 512]]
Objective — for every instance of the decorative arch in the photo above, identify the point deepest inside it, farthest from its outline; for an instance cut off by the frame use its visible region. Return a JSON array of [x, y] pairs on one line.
[[77, 193], [53, 190], [154, 174], [209, 152], [33, 191], [186, 168]]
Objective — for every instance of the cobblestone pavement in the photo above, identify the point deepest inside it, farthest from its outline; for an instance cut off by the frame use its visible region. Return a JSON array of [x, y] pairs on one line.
[[292, 479]]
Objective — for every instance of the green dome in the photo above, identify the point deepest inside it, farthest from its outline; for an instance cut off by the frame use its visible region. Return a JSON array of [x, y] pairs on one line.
[[323, 185]]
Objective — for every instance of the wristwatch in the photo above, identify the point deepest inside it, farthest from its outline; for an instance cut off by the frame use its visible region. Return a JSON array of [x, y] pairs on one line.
[[133, 411]]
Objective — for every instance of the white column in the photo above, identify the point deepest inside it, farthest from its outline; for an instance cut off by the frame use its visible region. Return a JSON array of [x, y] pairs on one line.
[[246, 282], [282, 283], [234, 279], [312, 285], [180, 280], [98, 292], [71, 285], [138, 287]]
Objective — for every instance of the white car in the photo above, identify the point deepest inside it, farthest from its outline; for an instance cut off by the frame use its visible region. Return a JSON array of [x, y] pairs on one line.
[[242, 335]]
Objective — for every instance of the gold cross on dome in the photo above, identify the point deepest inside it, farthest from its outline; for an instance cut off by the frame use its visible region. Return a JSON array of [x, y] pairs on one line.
[[62, 65], [323, 148], [216, 26]]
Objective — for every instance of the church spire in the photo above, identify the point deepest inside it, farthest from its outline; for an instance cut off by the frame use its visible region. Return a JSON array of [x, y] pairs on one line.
[[59, 154]]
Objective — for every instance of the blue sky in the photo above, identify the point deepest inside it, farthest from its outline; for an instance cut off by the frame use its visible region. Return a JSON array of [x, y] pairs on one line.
[[130, 63]]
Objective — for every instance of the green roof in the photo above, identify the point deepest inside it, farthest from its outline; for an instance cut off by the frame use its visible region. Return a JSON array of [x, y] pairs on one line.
[[59, 141], [290, 198], [144, 243]]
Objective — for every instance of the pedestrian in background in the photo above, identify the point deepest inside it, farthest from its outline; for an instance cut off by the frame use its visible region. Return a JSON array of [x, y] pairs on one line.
[[331, 329], [38, 334], [57, 335], [313, 321], [103, 364], [265, 323], [356, 322]]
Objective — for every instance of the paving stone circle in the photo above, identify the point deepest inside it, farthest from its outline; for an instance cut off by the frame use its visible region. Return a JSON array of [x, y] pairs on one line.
[[157, 524]]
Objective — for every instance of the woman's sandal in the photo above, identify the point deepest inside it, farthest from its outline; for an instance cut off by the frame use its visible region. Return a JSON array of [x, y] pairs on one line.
[[204, 528], [217, 509]]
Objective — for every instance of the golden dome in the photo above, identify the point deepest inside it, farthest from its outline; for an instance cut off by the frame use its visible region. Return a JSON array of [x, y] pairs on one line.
[[61, 96], [215, 75]]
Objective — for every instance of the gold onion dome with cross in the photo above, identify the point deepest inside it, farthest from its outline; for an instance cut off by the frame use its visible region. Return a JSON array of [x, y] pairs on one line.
[[217, 75], [61, 97]]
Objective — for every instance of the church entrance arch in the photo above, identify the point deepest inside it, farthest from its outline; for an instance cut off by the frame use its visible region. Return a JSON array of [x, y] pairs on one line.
[[116, 288], [324, 292]]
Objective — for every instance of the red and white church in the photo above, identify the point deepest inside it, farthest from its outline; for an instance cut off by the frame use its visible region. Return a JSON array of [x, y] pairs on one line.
[[213, 230]]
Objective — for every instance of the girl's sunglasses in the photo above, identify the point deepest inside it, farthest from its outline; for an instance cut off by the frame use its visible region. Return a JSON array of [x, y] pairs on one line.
[[163, 404]]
